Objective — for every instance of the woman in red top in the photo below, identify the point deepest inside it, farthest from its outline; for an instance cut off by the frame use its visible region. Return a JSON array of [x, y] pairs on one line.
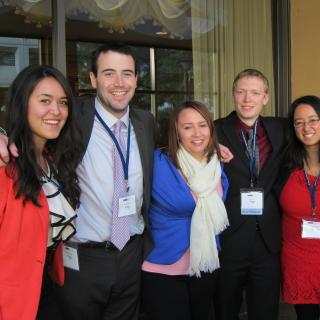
[[300, 202], [34, 212]]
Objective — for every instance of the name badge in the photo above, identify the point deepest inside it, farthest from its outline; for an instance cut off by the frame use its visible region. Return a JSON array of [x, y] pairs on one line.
[[251, 201], [70, 257], [127, 206], [310, 229]]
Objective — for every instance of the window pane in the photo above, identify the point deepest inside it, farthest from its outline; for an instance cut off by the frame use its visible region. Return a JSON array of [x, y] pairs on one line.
[[142, 55], [174, 70], [142, 101], [165, 104], [34, 56], [7, 56], [84, 50]]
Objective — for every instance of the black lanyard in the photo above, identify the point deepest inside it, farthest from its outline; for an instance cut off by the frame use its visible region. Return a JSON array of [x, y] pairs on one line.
[[312, 190], [125, 162], [52, 173], [252, 157]]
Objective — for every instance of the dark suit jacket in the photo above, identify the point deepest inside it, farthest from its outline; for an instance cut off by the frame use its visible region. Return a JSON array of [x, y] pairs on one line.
[[143, 124], [240, 235]]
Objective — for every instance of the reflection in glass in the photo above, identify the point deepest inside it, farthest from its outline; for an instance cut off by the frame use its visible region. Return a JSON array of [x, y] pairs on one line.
[[7, 56], [142, 55], [165, 104], [174, 70], [34, 56], [141, 101]]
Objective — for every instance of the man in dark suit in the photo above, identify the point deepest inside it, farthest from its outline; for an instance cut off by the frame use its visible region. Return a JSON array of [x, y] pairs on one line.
[[103, 277], [250, 246]]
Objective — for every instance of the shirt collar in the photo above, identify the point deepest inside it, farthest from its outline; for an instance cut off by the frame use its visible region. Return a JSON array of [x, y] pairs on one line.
[[245, 128], [108, 117]]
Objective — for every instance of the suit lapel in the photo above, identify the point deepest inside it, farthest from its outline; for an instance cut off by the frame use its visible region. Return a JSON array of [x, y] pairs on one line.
[[274, 141], [85, 117], [142, 144]]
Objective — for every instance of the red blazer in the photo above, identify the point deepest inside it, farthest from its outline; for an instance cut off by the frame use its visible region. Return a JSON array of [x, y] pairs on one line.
[[23, 245]]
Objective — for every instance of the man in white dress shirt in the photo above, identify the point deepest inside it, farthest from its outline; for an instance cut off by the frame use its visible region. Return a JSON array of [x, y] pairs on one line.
[[103, 281]]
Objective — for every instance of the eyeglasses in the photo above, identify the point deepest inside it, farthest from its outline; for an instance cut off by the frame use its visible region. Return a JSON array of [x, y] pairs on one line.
[[310, 123]]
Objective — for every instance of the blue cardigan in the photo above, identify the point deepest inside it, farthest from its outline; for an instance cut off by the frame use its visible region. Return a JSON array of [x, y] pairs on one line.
[[171, 209]]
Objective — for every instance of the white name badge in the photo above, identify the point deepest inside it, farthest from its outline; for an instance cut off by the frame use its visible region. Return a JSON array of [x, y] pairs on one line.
[[127, 206], [251, 201], [310, 229], [70, 257]]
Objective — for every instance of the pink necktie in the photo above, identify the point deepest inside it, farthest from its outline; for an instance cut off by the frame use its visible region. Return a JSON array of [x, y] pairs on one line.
[[120, 225]]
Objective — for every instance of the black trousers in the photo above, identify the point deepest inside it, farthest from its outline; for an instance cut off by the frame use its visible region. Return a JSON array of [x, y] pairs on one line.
[[258, 274], [49, 308], [307, 311], [107, 287], [182, 297]]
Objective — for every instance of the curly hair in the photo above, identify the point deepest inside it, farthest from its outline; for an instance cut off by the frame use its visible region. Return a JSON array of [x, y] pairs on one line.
[[65, 151]]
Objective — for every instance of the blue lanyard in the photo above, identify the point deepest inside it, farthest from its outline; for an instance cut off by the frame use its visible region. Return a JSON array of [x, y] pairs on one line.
[[125, 162], [252, 157], [312, 191]]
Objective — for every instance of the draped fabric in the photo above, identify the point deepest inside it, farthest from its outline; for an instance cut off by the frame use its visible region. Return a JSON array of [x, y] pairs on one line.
[[241, 38], [171, 210], [227, 36], [170, 213], [172, 16], [209, 217]]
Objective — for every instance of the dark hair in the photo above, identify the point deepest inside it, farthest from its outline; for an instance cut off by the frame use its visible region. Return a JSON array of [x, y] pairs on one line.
[[115, 47], [173, 131], [64, 151], [251, 73], [295, 152]]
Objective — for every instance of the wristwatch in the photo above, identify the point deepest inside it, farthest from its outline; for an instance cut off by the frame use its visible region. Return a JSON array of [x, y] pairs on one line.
[[4, 132]]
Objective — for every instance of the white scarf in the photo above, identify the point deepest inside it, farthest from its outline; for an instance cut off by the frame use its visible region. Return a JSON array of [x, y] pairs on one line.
[[209, 217]]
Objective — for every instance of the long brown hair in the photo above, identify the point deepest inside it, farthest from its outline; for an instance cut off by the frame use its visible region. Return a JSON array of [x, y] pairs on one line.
[[174, 143]]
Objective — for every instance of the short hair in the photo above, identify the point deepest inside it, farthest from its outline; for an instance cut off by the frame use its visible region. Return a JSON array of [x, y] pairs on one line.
[[115, 47], [296, 153], [174, 143], [251, 73], [65, 151]]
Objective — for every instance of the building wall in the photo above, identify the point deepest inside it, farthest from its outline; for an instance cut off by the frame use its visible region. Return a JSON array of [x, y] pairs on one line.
[[305, 47]]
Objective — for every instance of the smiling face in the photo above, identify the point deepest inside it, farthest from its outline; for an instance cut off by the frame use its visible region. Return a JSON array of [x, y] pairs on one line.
[[47, 111], [115, 81], [307, 125], [249, 97], [193, 132]]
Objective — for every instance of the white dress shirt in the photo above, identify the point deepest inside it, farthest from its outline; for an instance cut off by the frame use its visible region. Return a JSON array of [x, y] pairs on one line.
[[95, 174]]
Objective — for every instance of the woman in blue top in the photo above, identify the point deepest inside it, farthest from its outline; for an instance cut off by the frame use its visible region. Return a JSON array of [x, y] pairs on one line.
[[186, 215]]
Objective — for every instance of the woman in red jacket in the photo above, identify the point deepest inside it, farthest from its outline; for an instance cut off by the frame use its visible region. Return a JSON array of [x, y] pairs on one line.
[[36, 189]]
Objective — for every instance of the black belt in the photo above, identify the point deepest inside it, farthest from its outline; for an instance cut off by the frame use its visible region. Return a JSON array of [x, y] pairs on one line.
[[108, 245]]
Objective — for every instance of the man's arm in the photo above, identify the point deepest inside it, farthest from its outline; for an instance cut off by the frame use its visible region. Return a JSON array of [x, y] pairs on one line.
[[226, 154], [5, 151]]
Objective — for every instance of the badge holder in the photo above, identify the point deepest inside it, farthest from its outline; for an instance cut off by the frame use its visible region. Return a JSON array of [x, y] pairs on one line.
[[310, 227], [127, 203], [251, 201]]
